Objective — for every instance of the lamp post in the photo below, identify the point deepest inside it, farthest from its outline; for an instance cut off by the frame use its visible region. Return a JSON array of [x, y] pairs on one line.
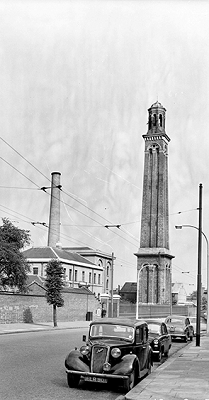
[[207, 264], [112, 269], [137, 287], [199, 267]]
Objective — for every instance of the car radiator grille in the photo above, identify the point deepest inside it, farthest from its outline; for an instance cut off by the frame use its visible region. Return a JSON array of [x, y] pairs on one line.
[[99, 354]]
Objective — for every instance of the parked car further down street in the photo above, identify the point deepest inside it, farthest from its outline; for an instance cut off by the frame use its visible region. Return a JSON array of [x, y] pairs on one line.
[[117, 350], [203, 325], [159, 338], [180, 327]]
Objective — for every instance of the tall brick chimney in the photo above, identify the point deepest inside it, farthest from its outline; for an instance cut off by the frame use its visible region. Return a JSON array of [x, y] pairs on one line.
[[153, 256], [54, 216]]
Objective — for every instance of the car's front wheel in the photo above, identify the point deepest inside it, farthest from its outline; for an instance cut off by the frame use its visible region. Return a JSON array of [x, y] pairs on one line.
[[159, 356], [73, 380], [131, 381]]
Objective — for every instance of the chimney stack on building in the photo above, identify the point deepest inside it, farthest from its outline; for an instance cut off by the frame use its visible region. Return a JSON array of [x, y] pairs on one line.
[[54, 216]]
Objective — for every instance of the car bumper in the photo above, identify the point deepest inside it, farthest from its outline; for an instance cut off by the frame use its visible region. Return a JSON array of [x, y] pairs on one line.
[[96, 375], [178, 335], [155, 351]]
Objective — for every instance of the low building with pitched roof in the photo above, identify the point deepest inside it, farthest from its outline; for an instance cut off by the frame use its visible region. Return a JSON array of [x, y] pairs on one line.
[[79, 271]]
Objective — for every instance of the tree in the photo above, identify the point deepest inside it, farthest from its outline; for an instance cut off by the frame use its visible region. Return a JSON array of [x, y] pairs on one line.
[[54, 285], [13, 265]]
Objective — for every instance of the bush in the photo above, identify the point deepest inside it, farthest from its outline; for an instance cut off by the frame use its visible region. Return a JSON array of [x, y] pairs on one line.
[[27, 316]]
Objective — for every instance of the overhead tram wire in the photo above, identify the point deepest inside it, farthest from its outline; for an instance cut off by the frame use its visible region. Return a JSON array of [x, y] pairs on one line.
[[32, 165], [43, 188], [127, 233], [16, 187], [62, 235], [21, 173], [180, 212]]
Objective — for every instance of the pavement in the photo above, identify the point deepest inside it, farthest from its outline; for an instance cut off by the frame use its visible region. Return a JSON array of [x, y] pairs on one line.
[[45, 326], [183, 376]]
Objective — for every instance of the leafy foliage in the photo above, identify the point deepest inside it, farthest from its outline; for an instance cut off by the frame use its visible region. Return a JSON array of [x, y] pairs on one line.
[[13, 265], [54, 283]]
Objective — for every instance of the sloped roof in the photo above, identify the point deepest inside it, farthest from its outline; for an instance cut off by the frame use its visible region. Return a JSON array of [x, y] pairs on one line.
[[129, 287], [88, 251], [177, 286], [157, 104], [35, 278], [53, 252]]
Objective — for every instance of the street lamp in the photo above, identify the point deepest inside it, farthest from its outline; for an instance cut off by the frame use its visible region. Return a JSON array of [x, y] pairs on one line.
[[137, 290], [207, 264], [137, 286]]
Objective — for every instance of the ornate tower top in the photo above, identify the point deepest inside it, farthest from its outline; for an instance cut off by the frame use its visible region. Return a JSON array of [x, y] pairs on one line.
[[156, 122]]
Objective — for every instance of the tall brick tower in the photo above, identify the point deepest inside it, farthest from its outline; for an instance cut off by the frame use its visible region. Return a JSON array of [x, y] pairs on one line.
[[153, 256]]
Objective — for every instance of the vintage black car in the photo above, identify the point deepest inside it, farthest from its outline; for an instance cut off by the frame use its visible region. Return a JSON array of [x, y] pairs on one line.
[[116, 350], [180, 327], [159, 338]]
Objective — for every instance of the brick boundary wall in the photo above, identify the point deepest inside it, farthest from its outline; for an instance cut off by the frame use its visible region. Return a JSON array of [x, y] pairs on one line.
[[76, 306]]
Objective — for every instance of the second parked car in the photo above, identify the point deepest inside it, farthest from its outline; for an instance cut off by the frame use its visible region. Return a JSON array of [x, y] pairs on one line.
[[159, 338]]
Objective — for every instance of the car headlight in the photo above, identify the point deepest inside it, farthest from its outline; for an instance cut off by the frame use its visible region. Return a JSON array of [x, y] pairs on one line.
[[115, 352], [156, 342], [84, 350]]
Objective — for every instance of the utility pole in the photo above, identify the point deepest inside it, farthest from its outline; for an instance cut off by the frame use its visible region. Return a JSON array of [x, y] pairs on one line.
[[199, 283], [112, 268]]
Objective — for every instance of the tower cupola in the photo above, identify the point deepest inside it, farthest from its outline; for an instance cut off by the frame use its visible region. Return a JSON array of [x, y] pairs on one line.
[[156, 121]]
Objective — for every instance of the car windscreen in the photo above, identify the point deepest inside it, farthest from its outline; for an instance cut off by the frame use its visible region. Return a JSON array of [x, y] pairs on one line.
[[109, 330], [174, 321], [154, 328]]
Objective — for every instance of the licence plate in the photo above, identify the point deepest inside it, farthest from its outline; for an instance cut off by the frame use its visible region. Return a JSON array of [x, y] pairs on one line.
[[94, 379]]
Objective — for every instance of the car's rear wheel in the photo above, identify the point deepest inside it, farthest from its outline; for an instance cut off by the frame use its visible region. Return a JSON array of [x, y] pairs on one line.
[[73, 380], [149, 365], [166, 353]]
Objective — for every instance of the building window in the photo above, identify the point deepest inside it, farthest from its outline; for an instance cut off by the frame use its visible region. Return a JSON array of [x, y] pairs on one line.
[[35, 270], [108, 269], [107, 284], [70, 274], [161, 120], [83, 276], [89, 277], [100, 263], [99, 279], [76, 275], [94, 278], [64, 269]]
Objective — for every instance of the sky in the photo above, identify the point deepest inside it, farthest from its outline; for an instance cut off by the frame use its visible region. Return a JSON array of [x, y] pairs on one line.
[[77, 79]]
